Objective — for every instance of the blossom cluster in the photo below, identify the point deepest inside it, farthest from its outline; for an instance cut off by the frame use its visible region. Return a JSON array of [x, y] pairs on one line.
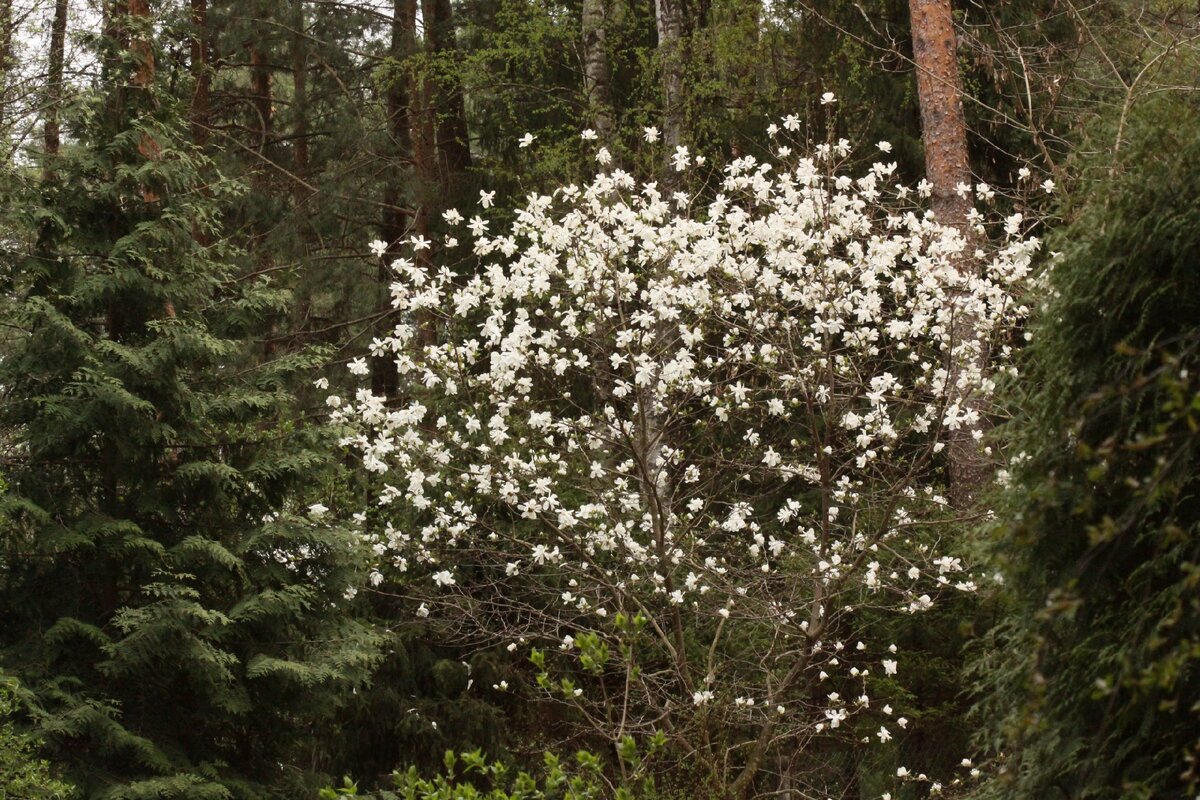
[[721, 412]]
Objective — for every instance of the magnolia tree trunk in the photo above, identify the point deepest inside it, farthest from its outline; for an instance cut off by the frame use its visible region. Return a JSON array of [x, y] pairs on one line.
[[596, 81], [947, 167]]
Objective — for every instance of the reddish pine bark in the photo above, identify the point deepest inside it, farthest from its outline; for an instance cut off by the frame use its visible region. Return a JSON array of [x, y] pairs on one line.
[[947, 165]]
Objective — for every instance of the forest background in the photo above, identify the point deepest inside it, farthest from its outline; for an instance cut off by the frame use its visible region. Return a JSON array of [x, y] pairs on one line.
[[187, 608]]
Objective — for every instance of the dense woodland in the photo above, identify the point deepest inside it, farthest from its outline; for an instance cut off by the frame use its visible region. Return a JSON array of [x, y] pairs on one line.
[[727, 474]]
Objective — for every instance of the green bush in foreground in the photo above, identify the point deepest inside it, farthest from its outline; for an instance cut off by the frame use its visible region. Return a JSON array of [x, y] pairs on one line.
[[470, 776], [23, 775]]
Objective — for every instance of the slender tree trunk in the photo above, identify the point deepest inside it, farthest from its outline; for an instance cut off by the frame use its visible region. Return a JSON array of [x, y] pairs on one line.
[[947, 165], [449, 105], [260, 181], [54, 84], [6, 54], [424, 156], [668, 15], [596, 76], [48, 231], [393, 225]]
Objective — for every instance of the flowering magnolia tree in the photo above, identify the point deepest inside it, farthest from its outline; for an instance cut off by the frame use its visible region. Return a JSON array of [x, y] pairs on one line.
[[673, 448]]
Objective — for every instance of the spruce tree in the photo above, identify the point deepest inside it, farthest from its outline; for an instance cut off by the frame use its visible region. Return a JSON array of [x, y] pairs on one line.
[[177, 616]]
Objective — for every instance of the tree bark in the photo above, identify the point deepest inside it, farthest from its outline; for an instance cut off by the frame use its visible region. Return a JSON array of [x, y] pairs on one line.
[[394, 222], [424, 157], [596, 76], [668, 16], [6, 53], [939, 90], [140, 44], [947, 165], [54, 84], [449, 106]]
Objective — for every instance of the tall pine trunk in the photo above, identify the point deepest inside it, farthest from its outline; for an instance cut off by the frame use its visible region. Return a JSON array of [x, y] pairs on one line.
[[947, 165]]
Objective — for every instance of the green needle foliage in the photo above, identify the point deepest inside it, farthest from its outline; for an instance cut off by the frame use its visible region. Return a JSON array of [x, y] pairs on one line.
[[1092, 678]]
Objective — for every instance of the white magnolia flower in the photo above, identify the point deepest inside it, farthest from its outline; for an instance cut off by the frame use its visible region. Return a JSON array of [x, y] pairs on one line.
[[681, 159], [526, 140], [650, 134]]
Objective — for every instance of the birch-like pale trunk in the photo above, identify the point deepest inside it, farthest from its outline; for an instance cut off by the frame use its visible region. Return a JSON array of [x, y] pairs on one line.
[[596, 75], [668, 16]]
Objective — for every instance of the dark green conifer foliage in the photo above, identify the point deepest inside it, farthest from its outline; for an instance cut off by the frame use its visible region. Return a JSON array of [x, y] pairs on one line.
[[181, 630], [1092, 679]]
